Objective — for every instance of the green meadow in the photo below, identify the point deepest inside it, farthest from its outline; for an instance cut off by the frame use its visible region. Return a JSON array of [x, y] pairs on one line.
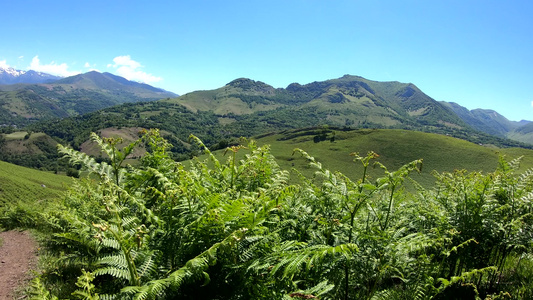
[[395, 148], [29, 185]]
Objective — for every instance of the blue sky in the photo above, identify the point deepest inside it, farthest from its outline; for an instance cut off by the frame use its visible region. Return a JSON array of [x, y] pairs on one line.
[[476, 53]]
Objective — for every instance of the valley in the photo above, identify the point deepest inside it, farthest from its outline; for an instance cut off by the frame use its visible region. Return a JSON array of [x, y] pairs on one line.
[[249, 108], [300, 190]]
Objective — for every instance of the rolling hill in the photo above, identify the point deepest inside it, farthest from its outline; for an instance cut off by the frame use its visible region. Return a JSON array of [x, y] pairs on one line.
[[395, 148], [523, 133], [245, 107], [28, 185], [22, 104]]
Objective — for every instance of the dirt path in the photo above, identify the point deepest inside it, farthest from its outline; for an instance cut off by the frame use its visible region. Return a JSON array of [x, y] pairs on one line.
[[18, 255]]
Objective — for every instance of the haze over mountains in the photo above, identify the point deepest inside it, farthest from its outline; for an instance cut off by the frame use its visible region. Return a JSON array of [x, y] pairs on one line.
[[486, 120]]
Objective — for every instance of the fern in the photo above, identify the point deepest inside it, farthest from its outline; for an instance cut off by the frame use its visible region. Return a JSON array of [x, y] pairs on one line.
[[237, 228]]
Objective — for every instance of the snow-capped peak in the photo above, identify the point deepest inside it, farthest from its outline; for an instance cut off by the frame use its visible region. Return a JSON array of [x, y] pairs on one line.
[[11, 71], [9, 75]]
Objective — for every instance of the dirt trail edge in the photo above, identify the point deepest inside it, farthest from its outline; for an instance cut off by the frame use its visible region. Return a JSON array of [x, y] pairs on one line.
[[18, 255]]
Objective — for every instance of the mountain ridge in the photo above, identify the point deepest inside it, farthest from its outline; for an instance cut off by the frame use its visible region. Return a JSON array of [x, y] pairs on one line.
[[248, 108], [491, 122], [12, 76], [350, 96], [245, 107], [24, 103]]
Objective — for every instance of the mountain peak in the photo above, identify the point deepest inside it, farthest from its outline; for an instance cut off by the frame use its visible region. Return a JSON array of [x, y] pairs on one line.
[[12, 76], [108, 81], [11, 71], [247, 84]]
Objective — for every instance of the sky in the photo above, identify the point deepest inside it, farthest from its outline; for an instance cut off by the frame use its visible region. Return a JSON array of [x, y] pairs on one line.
[[478, 54]]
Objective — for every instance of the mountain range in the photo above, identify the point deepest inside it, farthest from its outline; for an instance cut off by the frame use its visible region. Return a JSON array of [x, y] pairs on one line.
[[356, 102], [243, 107], [11, 76], [485, 120], [27, 102]]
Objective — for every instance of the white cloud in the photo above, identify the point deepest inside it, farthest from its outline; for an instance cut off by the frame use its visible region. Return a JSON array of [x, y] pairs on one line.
[[126, 61], [51, 68], [4, 65], [21, 57], [91, 67], [531, 103], [129, 69]]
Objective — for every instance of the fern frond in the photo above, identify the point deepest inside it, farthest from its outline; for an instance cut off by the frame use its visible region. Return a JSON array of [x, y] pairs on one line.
[[111, 243], [129, 222], [117, 261], [87, 287], [148, 265], [315, 292], [206, 150], [103, 169], [39, 292], [293, 261], [383, 295], [115, 272]]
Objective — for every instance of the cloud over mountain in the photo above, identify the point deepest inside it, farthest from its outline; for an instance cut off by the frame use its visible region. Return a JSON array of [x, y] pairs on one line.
[[4, 65], [51, 68], [130, 69]]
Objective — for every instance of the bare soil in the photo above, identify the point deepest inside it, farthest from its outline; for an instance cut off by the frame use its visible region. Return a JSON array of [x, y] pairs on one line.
[[18, 255]]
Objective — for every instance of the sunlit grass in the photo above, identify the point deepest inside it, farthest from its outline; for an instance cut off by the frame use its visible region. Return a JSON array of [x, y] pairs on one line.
[[395, 147]]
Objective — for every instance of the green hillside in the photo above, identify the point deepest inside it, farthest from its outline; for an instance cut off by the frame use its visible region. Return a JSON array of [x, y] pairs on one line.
[[30, 149], [346, 101], [523, 134], [395, 147], [247, 108], [22, 104], [28, 185], [491, 122]]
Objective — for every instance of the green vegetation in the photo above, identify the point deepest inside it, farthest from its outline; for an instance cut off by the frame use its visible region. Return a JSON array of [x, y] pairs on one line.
[[237, 229], [249, 108], [395, 147], [22, 188], [23, 104], [31, 149]]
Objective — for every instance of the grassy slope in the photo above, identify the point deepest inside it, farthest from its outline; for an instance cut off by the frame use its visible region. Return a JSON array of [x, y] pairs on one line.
[[521, 137], [523, 134], [221, 101], [395, 147], [20, 183]]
